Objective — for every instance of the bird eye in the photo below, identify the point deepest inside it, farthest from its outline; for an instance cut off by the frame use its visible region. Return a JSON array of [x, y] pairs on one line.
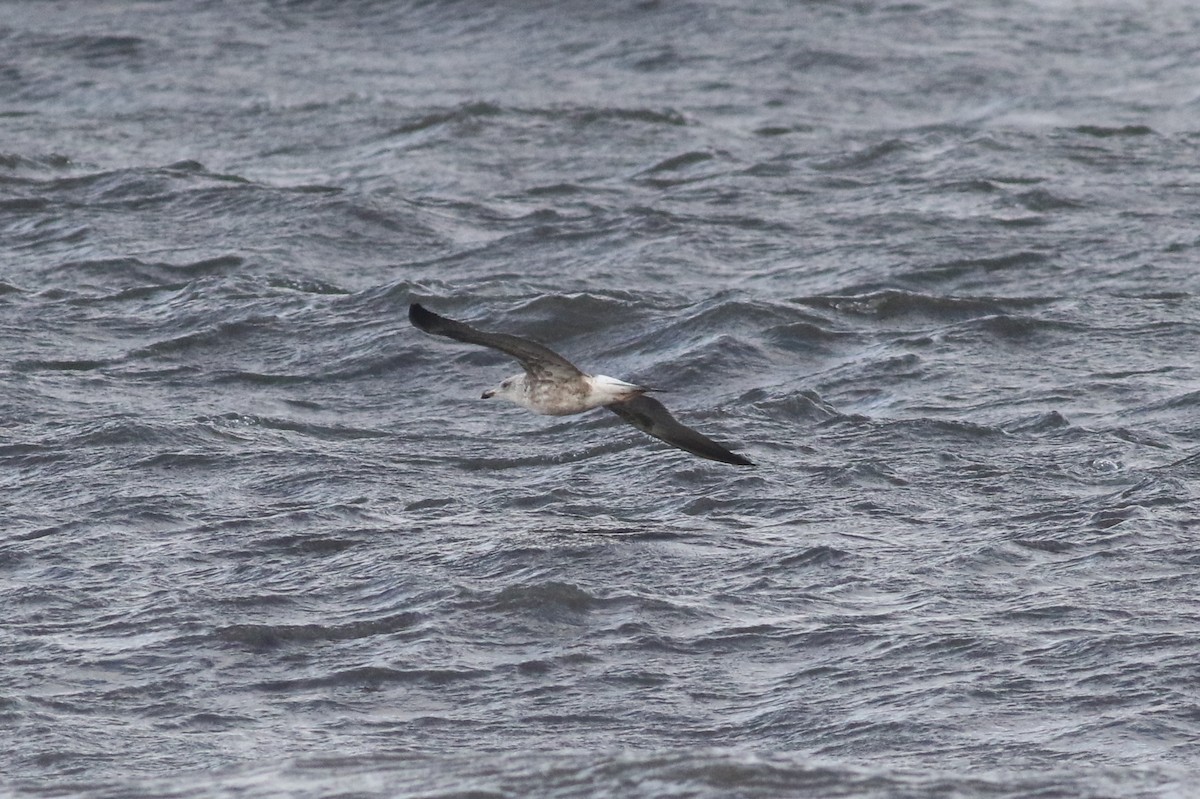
[[505, 384]]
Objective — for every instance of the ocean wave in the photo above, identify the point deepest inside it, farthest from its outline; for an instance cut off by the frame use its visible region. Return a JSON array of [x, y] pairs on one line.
[[265, 637]]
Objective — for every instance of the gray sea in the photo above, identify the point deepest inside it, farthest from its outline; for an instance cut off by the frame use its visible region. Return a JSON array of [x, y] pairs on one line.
[[933, 266]]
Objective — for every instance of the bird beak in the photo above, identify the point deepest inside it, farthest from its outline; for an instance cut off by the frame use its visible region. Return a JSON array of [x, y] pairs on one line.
[[488, 394]]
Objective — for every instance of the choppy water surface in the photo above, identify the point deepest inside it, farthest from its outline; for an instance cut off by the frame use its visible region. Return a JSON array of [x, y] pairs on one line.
[[934, 269]]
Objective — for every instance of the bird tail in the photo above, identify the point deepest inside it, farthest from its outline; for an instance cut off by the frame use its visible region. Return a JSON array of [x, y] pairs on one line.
[[612, 389]]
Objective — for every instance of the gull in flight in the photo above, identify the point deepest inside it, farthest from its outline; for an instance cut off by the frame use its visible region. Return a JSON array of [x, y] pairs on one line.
[[553, 385]]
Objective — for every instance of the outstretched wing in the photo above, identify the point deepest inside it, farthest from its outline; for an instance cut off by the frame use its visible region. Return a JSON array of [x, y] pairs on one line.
[[648, 415], [541, 363]]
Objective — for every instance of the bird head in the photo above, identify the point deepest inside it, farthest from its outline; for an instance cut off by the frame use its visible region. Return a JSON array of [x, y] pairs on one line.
[[508, 389]]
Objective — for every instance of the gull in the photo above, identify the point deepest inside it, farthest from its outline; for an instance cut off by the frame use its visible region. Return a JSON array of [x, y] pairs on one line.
[[554, 386]]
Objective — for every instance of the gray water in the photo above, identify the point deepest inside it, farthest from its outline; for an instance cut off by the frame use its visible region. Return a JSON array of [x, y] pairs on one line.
[[933, 266]]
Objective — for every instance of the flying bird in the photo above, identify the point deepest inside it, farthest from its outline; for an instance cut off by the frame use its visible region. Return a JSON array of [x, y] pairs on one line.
[[552, 385]]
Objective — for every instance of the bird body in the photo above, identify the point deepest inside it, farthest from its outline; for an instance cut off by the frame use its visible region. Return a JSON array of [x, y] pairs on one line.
[[566, 397]]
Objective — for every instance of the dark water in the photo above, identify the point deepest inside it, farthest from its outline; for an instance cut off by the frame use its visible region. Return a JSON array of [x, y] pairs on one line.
[[934, 268]]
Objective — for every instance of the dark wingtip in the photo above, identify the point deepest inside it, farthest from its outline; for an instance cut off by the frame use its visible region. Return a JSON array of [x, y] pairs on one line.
[[719, 454], [420, 317], [714, 452], [725, 456]]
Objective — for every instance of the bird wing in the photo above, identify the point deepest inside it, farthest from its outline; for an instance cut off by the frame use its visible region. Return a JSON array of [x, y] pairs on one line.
[[650, 416], [539, 362]]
